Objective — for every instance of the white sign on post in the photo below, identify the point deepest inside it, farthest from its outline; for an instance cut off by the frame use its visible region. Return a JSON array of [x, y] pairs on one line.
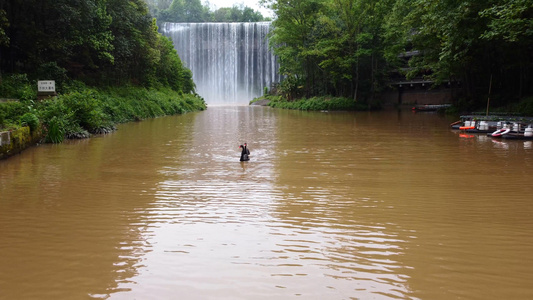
[[46, 86]]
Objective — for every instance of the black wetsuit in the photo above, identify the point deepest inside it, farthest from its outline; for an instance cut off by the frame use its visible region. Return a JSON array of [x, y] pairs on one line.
[[244, 154]]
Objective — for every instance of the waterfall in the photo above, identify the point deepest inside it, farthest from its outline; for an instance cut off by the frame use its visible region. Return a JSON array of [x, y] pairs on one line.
[[231, 62]]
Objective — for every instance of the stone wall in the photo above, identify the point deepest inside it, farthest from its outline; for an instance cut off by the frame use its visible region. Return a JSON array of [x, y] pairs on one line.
[[14, 141], [5, 138]]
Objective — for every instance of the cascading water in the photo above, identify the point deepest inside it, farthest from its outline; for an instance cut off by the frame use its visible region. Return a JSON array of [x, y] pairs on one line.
[[231, 62]]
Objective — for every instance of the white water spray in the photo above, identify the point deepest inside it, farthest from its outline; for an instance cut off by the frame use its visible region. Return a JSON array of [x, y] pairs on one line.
[[231, 62]]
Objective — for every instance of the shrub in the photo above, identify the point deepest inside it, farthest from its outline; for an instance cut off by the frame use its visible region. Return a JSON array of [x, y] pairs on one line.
[[30, 120], [27, 93], [56, 132], [13, 110], [56, 116], [320, 103], [51, 71], [14, 86], [525, 106], [85, 110], [74, 86]]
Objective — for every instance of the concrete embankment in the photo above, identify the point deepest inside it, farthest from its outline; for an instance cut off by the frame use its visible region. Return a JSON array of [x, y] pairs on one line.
[[14, 141]]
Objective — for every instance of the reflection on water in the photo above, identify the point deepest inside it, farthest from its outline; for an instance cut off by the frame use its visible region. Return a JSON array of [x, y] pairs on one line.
[[383, 205]]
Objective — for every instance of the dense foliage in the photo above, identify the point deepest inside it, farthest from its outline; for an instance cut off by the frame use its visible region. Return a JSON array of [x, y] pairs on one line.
[[85, 110], [350, 48], [102, 42], [193, 11], [109, 63], [315, 103]]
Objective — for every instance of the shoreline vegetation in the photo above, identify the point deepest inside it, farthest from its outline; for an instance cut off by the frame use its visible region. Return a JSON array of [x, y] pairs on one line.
[[362, 49], [314, 103], [84, 111], [108, 61], [325, 103]]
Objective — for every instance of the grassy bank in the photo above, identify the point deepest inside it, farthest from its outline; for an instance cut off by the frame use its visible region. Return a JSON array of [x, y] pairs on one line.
[[317, 103], [523, 108], [81, 111]]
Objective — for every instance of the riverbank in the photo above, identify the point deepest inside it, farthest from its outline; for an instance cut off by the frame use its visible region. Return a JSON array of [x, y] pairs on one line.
[[15, 141], [315, 103], [524, 107], [83, 112]]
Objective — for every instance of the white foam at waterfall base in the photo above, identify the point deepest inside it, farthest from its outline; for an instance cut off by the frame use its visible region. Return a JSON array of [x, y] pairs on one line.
[[231, 62]]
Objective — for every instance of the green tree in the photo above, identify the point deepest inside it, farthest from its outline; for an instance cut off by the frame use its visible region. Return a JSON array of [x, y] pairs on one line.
[[170, 69], [470, 40], [332, 47], [134, 42], [91, 39], [353, 45], [188, 11], [73, 33], [292, 41], [4, 24], [250, 15], [156, 6], [397, 35], [192, 11], [511, 20], [98, 41], [510, 27], [222, 15]]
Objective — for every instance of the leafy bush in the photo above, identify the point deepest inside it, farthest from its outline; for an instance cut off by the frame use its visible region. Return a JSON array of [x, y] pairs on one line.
[[86, 109], [525, 107], [52, 71], [320, 103], [27, 93], [31, 120], [13, 110], [129, 104], [15, 86], [74, 86], [56, 132], [83, 111], [61, 120]]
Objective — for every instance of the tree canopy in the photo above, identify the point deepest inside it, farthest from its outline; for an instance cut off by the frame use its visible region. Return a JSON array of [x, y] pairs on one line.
[[350, 47], [193, 11], [345, 48], [98, 41]]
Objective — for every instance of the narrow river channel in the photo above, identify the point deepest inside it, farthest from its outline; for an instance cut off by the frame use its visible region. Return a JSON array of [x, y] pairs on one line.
[[381, 205]]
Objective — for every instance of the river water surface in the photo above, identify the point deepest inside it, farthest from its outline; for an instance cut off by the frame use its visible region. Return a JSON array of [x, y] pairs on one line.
[[381, 205]]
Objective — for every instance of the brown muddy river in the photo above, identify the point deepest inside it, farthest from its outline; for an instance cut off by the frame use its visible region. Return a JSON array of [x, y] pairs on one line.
[[381, 205]]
